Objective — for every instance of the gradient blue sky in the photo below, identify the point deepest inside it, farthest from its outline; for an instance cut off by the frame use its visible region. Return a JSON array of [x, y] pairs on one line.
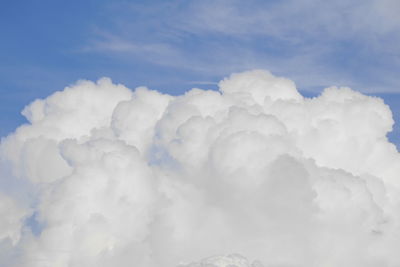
[[173, 46]]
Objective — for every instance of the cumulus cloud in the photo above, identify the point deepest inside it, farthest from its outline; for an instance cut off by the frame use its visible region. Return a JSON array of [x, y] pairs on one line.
[[120, 177]]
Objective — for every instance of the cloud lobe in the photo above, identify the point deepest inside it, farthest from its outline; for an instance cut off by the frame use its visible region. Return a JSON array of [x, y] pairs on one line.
[[119, 178]]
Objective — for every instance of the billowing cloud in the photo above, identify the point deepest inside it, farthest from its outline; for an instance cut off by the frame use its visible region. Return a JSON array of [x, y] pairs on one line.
[[117, 177]]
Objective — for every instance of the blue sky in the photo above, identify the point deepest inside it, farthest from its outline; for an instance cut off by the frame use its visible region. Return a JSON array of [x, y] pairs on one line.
[[173, 46]]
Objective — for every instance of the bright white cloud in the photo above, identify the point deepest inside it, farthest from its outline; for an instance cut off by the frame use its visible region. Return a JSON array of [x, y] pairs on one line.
[[121, 178]]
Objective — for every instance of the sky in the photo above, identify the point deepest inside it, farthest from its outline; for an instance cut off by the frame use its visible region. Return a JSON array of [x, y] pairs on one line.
[[192, 133], [173, 46]]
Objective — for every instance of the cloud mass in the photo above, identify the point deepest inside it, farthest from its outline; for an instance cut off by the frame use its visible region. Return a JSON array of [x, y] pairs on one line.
[[107, 176]]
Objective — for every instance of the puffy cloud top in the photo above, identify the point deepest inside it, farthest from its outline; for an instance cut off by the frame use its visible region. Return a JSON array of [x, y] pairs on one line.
[[106, 176], [260, 84]]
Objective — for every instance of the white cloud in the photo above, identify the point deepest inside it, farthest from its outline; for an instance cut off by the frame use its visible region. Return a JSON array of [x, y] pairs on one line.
[[224, 261], [121, 177], [11, 214]]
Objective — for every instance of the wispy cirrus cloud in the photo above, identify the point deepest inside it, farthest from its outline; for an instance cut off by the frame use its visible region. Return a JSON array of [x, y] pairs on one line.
[[345, 43]]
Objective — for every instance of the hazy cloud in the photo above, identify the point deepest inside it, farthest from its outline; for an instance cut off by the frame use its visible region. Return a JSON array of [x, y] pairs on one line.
[[316, 43]]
